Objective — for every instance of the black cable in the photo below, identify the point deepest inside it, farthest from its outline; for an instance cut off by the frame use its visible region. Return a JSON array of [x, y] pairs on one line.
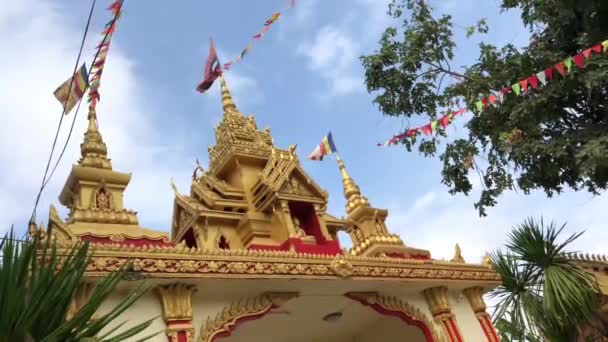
[[80, 102], [48, 164]]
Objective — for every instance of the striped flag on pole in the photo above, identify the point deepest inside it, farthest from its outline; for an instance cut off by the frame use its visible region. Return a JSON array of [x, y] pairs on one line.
[[69, 96], [326, 147]]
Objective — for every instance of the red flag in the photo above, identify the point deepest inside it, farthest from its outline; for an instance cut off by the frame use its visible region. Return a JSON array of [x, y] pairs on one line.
[[587, 53], [411, 132], [492, 98], [506, 90], [426, 129], [257, 36], [524, 85], [115, 6], [212, 70], [597, 48], [533, 81], [578, 59], [444, 121], [549, 73], [560, 67]]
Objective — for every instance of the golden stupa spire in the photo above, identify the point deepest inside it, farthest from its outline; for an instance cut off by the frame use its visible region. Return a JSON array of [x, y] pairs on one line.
[[227, 101], [352, 193], [93, 150]]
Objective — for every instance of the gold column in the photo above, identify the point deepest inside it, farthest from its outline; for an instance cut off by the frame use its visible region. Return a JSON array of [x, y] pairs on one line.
[[439, 304], [176, 300], [475, 297]]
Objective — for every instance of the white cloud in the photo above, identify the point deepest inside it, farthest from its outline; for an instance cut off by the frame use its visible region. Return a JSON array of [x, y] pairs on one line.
[[38, 49], [437, 221], [304, 12], [333, 54]]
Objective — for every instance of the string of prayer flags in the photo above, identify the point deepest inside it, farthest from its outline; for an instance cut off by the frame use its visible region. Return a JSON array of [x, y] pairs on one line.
[[68, 95], [258, 36], [521, 87], [212, 70], [326, 147], [102, 53]]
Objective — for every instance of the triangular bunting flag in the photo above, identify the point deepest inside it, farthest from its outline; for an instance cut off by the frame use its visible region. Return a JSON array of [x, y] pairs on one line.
[[515, 88], [578, 59], [533, 81], [542, 78], [434, 125], [479, 106], [597, 48], [444, 121], [492, 98], [549, 73], [524, 85], [560, 68], [411, 132], [605, 45], [426, 129], [587, 53], [568, 63], [505, 90]]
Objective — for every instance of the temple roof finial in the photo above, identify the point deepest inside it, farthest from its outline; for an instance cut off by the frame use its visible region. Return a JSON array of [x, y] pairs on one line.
[[227, 101], [93, 150], [352, 193]]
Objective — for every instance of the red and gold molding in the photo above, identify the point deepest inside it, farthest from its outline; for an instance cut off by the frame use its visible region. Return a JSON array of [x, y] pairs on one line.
[[246, 310], [392, 306], [176, 300], [180, 330], [439, 304], [475, 297]]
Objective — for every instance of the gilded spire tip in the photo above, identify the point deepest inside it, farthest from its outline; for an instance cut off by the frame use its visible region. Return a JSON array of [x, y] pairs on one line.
[[352, 193], [227, 101], [93, 150]]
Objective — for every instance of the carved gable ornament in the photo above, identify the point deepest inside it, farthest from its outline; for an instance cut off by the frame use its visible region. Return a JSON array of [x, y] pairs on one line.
[[294, 186], [299, 184]]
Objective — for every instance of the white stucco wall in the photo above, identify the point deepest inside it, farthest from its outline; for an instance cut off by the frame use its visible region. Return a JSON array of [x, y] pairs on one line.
[[145, 308], [465, 317]]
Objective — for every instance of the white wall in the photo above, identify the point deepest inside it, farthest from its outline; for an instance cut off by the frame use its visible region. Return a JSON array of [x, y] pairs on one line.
[[147, 307], [465, 317]]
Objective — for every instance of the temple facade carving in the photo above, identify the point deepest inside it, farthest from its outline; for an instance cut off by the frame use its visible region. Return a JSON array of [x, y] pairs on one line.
[[252, 251]]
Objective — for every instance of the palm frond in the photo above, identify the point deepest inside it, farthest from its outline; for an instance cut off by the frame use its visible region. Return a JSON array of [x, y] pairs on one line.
[[543, 290], [37, 284]]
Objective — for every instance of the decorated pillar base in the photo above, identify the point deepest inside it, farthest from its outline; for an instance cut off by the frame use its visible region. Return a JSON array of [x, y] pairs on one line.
[[176, 300], [437, 299]]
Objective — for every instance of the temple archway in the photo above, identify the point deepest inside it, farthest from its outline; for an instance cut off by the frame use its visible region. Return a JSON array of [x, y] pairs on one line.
[[329, 319]]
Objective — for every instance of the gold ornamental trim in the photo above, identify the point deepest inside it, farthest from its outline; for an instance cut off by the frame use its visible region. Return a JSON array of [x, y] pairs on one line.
[[273, 265], [227, 319], [392, 303]]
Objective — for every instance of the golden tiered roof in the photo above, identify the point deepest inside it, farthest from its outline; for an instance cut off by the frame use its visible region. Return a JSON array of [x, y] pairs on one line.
[[254, 212]]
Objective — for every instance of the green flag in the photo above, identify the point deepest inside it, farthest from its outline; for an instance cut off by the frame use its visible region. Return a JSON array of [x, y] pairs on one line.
[[516, 88], [568, 63], [605, 45], [479, 106], [434, 125]]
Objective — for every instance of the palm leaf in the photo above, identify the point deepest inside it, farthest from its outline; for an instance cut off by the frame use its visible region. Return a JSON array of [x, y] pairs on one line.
[[543, 290], [37, 284]]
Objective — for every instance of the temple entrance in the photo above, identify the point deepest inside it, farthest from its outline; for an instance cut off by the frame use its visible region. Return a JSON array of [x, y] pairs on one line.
[[325, 319]]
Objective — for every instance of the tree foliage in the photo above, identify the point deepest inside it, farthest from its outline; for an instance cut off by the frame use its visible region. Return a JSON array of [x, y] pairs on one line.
[[544, 295], [35, 296], [550, 139]]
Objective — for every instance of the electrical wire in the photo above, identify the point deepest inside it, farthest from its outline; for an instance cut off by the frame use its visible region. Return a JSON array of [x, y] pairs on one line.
[[65, 145], [48, 164]]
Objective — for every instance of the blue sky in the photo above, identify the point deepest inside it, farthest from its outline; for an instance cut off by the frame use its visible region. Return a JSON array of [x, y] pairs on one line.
[[302, 79]]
